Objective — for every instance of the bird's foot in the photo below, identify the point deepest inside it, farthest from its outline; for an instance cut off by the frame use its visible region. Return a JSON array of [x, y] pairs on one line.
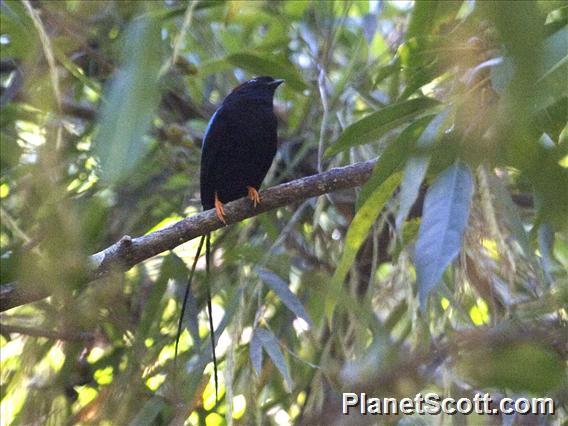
[[254, 196], [219, 210]]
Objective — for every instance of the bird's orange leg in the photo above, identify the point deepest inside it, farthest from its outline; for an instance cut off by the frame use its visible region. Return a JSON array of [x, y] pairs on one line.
[[219, 209], [254, 196]]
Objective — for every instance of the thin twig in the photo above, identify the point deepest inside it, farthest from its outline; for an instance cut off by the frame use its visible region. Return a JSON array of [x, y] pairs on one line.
[[47, 50], [323, 128], [187, 18]]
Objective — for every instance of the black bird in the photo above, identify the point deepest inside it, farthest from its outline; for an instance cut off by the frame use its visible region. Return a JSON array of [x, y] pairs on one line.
[[238, 148], [239, 145]]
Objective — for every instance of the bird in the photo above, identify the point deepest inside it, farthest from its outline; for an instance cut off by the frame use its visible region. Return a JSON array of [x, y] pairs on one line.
[[238, 148], [239, 145]]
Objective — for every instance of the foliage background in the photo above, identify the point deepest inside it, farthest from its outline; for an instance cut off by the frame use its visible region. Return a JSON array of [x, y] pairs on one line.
[[104, 104]]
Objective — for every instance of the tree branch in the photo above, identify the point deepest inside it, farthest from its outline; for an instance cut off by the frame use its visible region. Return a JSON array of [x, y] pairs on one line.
[[129, 251], [49, 334]]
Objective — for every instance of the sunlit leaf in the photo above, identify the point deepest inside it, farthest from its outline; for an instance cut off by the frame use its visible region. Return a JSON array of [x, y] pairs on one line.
[[204, 355], [444, 220], [358, 231], [373, 126], [152, 305]]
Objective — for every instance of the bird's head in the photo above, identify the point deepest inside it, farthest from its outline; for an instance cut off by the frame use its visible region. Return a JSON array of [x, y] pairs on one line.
[[258, 87]]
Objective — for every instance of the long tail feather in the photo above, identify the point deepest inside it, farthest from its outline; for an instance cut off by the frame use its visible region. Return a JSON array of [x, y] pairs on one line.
[[185, 297], [210, 313]]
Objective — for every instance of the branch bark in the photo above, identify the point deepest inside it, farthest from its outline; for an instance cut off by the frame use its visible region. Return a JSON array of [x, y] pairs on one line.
[[129, 251], [49, 334]]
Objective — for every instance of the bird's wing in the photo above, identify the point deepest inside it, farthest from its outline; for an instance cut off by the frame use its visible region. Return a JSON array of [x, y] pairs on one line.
[[215, 136]]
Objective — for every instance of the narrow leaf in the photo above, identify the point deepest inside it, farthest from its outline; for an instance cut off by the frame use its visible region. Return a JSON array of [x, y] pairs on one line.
[[255, 353], [132, 98], [272, 348], [556, 53], [373, 126], [444, 220], [393, 157], [149, 411], [521, 366], [422, 19], [358, 231], [152, 307], [262, 66], [545, 246], [191, 313], [180, 273], [416, 167], [281, 289], [370, 22], [195, 367], [511, 212]]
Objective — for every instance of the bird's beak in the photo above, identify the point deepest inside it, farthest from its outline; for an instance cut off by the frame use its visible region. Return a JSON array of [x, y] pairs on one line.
[[276, 83]]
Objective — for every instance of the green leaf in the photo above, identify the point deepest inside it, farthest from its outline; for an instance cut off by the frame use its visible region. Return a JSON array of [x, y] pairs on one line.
[[444, 220], [272, 348], [517, 366], [504, 203], [17, 25], [387, 70], [133, 96], [10, 149], [426, 18], [261, 66], [180, 273], [417, 78], [522, 33], [150, 410], [152, 305], [375, 125], [556, 53], [394, 156], [255, 353], [553, 84], [358, 231], [416, 167], [545, 246], [281, 289], [191, 315], [75, 70], [422, 19], [204, 356]]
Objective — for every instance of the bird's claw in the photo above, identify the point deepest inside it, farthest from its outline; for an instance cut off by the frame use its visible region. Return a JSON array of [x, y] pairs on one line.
[[254, 196], [219, 210]]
